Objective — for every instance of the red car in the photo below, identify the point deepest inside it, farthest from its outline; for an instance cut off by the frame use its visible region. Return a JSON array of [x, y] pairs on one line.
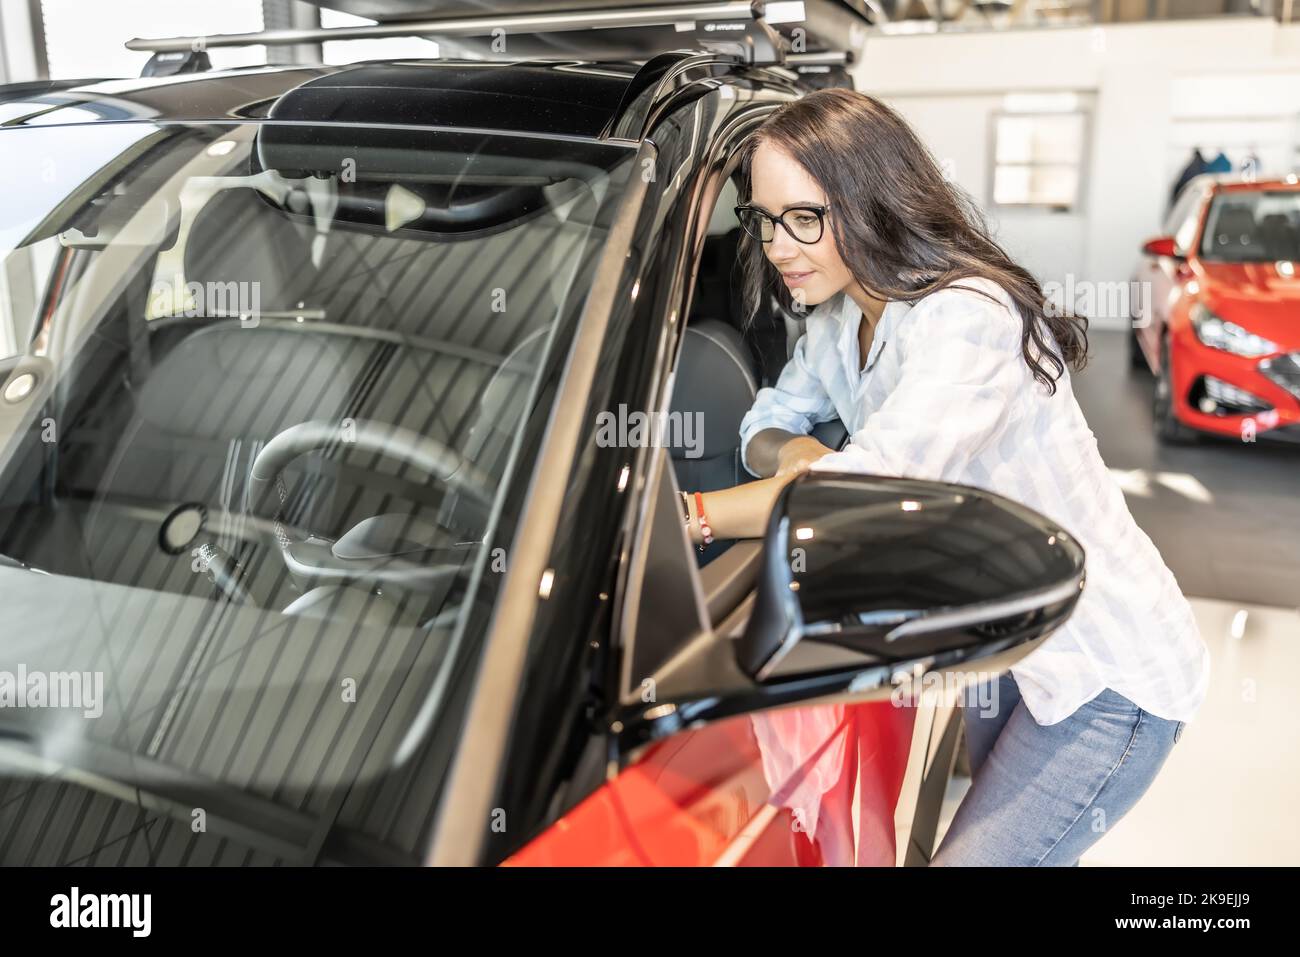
[[1223, 340]]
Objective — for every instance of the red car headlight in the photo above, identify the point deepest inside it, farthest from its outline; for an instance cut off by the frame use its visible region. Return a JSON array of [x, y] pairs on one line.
[[1284, 370], [1219, 333]]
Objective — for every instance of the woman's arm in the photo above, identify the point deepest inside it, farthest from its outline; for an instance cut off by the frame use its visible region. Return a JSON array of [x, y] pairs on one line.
[[742, 511], [797, 453], [763, 454], [775, 447], [785, 411], [739, 512]]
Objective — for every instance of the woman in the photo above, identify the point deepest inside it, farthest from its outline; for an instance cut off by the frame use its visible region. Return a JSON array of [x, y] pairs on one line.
[[944, 361]]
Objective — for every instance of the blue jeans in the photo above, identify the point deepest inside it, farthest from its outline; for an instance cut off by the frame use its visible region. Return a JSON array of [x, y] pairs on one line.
[[1044, 795]]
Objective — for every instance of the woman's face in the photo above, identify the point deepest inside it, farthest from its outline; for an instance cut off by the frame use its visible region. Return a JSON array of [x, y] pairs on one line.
[[779, 182]]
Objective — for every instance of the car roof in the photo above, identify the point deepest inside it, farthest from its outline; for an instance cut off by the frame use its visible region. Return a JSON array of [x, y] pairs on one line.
[[1242, 185], [554, 97], [1239, 181]]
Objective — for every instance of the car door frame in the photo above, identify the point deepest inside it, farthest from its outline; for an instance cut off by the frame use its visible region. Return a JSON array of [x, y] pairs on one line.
[[640, 285]]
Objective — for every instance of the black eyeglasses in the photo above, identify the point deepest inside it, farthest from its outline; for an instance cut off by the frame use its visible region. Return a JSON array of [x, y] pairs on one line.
[[806, 225]]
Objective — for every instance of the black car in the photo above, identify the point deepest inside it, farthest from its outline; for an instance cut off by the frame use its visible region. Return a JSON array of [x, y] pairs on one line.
[[312, 548]]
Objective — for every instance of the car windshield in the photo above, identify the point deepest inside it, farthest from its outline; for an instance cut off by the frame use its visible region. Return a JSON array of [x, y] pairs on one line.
[[271, 393], [1253, 227]]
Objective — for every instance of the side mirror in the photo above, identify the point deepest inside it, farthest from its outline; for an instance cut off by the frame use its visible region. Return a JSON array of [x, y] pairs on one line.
[[862, 580], [903, 572], [1161, 246]]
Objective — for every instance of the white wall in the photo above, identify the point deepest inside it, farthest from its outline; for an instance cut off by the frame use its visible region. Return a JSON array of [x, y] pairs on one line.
[[956, 127], [1154, 88], [87, 38], [17, 58]]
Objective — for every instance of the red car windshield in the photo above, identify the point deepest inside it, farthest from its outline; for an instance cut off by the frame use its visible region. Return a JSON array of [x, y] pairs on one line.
[[1252, 227]]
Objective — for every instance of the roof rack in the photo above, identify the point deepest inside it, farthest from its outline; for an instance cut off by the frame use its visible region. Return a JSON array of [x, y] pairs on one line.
[[739, 27]]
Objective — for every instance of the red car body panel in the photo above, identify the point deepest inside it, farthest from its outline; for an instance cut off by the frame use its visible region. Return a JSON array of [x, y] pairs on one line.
[[775, 788], [1252, 295]]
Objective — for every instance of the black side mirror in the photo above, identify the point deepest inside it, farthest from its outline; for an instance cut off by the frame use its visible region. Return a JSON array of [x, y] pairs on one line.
[[902, 571], [864, 579]]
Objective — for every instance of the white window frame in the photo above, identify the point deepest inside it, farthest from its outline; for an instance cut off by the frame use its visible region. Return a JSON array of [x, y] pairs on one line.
[[1080, 164]]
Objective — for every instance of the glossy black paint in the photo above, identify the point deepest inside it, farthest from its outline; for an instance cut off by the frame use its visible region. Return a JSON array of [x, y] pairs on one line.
[[868, 563], [235, 95], [563, 99], [558, 98]]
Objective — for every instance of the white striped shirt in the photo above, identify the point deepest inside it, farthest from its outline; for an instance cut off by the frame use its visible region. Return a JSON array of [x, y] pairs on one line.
[[947, 395]]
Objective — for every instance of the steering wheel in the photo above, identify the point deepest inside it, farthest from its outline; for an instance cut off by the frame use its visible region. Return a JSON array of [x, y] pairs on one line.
[[319, 560]]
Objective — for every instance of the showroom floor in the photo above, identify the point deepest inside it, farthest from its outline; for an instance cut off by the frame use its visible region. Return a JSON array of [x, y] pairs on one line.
[[1226, 518]]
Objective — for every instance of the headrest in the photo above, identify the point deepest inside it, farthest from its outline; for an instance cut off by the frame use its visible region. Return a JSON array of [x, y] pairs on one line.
[[715, 386], [1235, 221]]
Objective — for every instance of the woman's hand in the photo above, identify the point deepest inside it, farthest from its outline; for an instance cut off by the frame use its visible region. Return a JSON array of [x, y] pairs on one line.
[[799, 453]]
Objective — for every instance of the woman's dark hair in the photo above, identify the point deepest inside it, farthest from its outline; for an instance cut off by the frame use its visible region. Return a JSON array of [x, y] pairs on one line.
[[902, 229]]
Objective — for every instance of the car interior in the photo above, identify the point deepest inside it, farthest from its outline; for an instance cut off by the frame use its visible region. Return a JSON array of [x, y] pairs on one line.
[[241, 508], [357, 378]]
